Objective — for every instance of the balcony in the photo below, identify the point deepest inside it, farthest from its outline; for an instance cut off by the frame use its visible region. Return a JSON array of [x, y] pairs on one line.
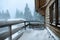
[[32, 27], [24, 30]]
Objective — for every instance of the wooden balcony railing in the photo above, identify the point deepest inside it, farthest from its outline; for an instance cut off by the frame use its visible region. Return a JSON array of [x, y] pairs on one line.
[[11, 32]]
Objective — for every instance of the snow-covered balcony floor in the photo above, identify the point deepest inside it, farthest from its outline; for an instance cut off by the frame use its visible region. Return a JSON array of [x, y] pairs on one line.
[[35, 34]]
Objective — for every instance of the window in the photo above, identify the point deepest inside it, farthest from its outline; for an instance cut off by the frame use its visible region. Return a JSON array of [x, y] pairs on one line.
[[52, 14], [55, 13], [59, 13]]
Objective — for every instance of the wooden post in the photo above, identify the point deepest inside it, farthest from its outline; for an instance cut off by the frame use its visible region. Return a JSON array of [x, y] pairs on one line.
[[10, 33], [25, 25], [29, 24]]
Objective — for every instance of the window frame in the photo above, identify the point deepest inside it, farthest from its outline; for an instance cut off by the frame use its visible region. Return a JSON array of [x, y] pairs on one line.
[[58, 13], [51, 9]]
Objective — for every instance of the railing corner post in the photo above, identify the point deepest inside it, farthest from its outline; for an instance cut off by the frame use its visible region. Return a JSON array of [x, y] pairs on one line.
[[25, 24]]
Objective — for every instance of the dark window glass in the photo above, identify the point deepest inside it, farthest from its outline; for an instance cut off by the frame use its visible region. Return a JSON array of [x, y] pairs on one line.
[[59, 13], [52, 14]]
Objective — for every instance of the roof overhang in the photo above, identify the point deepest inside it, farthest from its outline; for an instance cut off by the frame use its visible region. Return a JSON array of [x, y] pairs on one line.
[[40, 6]]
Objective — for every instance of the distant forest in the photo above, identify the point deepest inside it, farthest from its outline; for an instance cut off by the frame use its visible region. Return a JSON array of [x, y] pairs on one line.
[[26, 15], [5, 15]]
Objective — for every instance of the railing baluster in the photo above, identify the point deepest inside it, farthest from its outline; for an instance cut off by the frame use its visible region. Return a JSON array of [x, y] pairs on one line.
[[29, 24], [25, 25], [10, 30]]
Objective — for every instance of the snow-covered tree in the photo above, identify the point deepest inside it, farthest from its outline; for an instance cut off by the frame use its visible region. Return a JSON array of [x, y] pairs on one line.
[[7, 15], [4, 15], [38, 17], [27, 13], [19, 14]]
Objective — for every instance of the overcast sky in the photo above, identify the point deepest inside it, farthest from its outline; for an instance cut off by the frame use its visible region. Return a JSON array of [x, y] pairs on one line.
[[12, 5]]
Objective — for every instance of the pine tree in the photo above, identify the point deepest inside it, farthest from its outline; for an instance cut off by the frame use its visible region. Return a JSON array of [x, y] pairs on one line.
[[27, 13], [19, 14], [4, 15], [38, 17], [35, 16], [0, 15], [7, 15]]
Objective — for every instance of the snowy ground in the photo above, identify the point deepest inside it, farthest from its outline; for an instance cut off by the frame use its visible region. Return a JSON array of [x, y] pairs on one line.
[[33, 34]]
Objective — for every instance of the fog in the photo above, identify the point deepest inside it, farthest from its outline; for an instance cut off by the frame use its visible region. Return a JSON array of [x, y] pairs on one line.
[[12, 5]]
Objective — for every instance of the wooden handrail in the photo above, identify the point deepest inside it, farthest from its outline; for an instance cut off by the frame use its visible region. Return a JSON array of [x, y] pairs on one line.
[[7, 23]]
